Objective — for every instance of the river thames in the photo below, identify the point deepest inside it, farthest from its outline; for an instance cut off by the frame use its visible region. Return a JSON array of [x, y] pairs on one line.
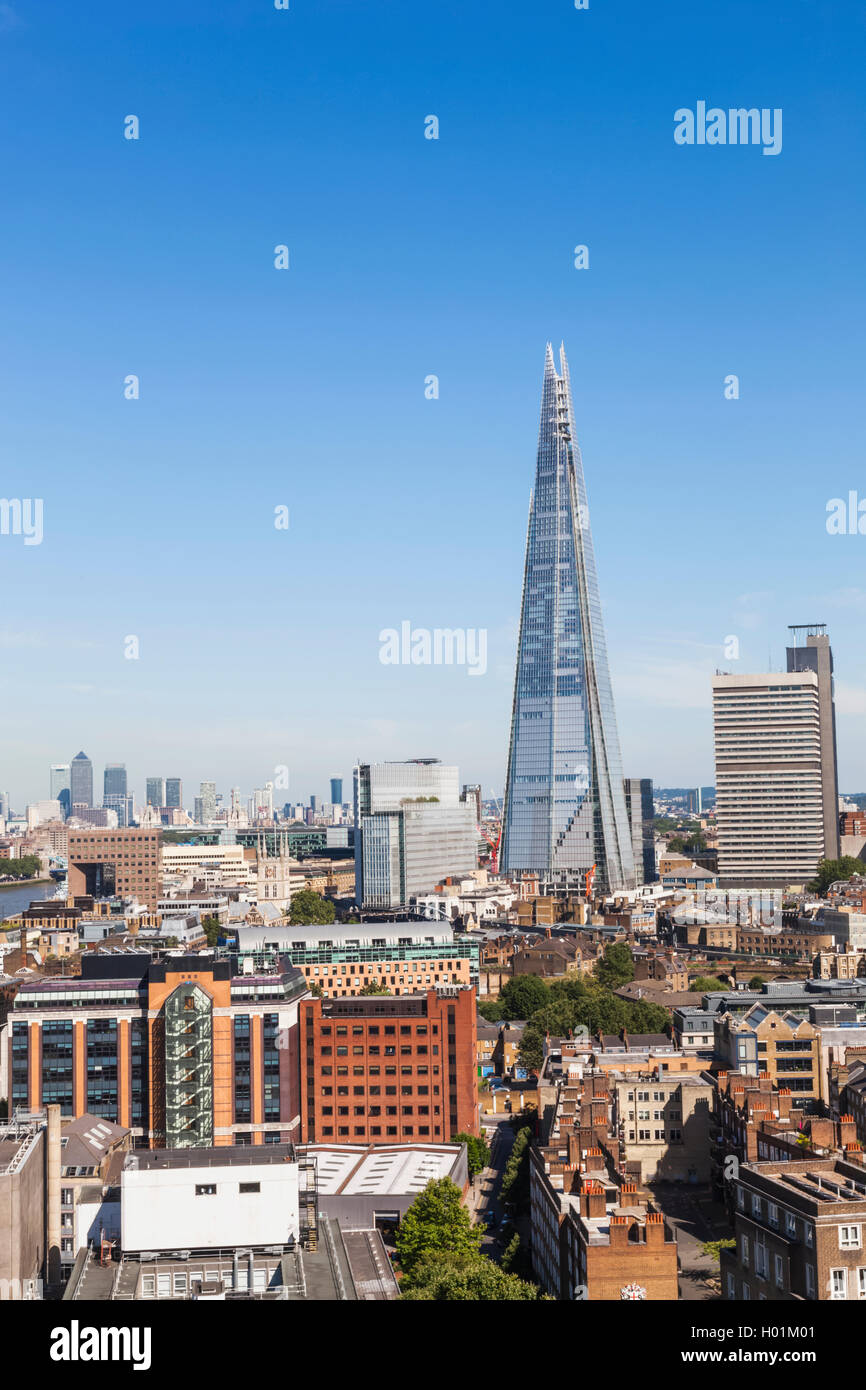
[[14, 897]]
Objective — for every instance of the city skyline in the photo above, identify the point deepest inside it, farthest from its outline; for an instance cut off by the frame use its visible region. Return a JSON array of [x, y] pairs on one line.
[[704, 508]]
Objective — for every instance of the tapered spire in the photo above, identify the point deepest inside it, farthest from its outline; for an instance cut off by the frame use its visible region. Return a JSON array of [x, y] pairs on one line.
[[565, 808]]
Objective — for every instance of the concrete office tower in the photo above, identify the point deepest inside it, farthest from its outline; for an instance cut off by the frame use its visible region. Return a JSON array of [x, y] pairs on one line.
[[115, 795], [155, 791], [81, 781], [336, 791], [769, 782], [174, 793], [816, 655], [564, 801], [113, 782], [640, 811], [207, 795], [412, 830], [60, 786]]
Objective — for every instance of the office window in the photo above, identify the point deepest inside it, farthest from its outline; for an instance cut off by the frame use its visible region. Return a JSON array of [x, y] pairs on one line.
[[249, 1187], [849, 1237], [779, 1265], [205, 1189], [861, 1282]]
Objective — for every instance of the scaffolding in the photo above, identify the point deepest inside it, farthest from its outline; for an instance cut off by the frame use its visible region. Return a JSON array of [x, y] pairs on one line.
[[308, 1203]]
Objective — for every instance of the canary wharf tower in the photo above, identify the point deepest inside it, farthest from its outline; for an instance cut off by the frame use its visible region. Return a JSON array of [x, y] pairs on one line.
[[565, 807]]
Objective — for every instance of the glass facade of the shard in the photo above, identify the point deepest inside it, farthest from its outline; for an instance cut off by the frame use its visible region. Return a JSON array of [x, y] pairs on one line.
[[564, 801]]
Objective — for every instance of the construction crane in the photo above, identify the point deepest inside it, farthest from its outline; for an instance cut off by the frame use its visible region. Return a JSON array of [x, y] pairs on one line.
[[494, 844]]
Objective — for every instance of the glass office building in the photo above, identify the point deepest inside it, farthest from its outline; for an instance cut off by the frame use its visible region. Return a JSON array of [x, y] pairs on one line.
[[565, 805], [81, 781]]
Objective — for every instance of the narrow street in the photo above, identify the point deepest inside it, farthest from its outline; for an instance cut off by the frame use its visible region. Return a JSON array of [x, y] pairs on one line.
[[694, 1217], [484, 1194]]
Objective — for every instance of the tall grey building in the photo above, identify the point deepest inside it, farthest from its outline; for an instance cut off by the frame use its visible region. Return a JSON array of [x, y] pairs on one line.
[[174, 793], [641, 813], [565, 806], [775, 751], [81, 781], [816, 655], [60, 786], [114, 780], [115, 793], [155, 795], [207, 797], [412, 829]]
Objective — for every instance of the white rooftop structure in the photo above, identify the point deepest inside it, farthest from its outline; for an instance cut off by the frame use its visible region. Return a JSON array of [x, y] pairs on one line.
[[347, 1170]]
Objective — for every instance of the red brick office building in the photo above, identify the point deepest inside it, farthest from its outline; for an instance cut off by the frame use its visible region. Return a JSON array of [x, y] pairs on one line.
[[384, 1069]]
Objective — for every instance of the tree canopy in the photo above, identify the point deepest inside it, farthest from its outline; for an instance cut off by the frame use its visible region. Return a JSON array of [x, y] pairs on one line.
[[477, 1151], [523, 996], [26, 866], [831, 870], [458, 1278], [707, 984], [310, 909], [211, 928], [617, 967], [581, 1001], [436, 1224]]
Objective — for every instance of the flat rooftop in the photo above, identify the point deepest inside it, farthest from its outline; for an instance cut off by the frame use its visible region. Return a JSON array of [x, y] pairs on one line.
[[824, 1182], [224, 1156]]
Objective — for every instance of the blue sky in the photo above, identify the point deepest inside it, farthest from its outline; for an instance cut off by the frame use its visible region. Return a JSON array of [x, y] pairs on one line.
[[305, 387]]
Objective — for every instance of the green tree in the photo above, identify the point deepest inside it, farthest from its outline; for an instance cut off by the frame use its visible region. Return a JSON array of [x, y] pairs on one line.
[[831, 870], [492, 1010], [310, 909], [617, 967], [477, 1151], [26, 866], [713, 1248], [459, 1278], [515, 1179], [373, 987], [581, 1001], [211, 928], [756, 982], [523, 996], [316, 990], [707, 984], [437, 1223]]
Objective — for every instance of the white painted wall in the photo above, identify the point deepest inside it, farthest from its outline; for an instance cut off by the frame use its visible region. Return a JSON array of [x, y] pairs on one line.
[[161, 1211]]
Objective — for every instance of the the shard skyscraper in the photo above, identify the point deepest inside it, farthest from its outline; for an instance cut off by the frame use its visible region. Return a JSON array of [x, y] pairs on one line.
[[565, 805]]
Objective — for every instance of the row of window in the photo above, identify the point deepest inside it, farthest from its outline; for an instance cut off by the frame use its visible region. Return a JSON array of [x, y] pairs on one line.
[[391, 1131]]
